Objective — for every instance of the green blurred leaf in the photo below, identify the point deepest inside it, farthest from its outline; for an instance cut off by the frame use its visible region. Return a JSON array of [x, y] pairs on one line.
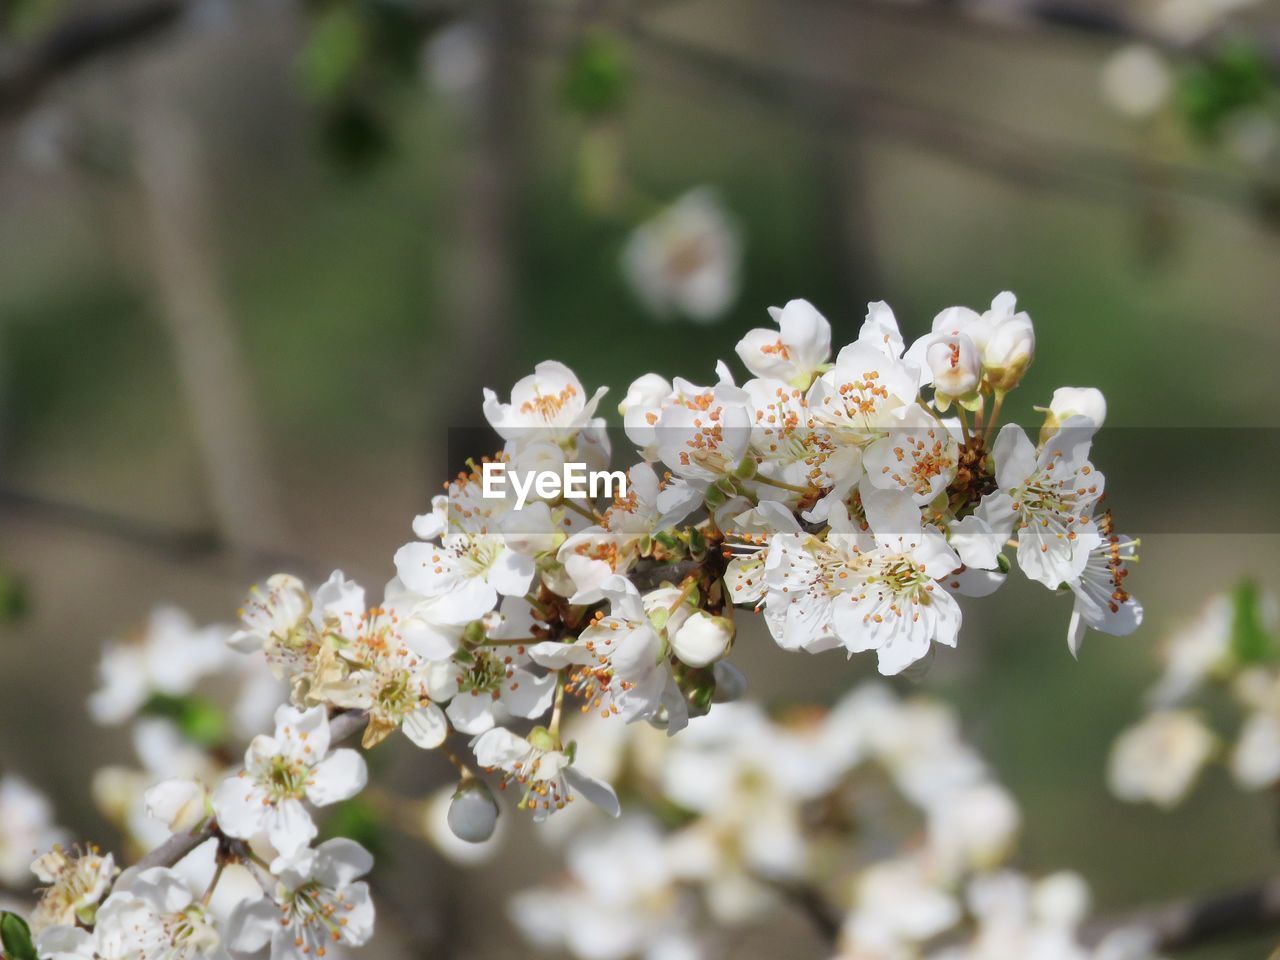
[[354, 135], [16, 937], [334, 52], [360, 821], [1231, 78], [597, 79], [201, 721], [14, 602], [1251, 642], [26, 18]]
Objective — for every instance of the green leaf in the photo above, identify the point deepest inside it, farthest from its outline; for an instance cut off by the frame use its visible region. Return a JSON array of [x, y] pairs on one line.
[[201, 721], [1251, 642], [16, 937], [353, 135], [1231, 78], [14, 602], [597, 78], [334, 52], [360, 821]]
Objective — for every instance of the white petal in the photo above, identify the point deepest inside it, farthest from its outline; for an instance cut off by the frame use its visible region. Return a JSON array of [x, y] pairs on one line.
[[426, 726], [238, 804], [252, 924], [289, 826], [597, 791], [337, 777]]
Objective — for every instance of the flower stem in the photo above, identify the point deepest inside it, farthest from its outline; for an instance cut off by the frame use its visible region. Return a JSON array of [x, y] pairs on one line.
[[769, 481], [995, 417], [557, 709], [583, 511], [213, 883]]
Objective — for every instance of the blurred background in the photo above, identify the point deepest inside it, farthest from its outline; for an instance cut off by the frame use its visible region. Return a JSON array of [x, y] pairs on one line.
[[258, 256]]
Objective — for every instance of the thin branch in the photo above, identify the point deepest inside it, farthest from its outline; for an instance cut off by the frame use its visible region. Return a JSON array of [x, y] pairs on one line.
[[651, 574], [1094, 172], [167, 541], [342, 726], [1047, 21], [1194, 921], [76, 42], [809, 901]]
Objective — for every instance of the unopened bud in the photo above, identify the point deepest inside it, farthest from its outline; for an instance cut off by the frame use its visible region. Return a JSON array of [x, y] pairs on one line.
[[1068, 402], [179, 804], [702, 639], [1009, 352], [473, 812]]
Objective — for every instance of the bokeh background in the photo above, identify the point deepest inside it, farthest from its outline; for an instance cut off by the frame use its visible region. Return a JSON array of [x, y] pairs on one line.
[[257, 257]]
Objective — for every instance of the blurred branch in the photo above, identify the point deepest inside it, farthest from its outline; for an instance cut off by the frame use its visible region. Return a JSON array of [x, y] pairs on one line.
[[168, 542], [1014, 155], [1195, 921], [809, 901], [25, 74], [1047, 21]]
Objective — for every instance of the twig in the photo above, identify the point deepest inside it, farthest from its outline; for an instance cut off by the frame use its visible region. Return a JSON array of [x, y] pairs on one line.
[[1193, 921], [650, 574], [809, 900], [167, 541], [76, 42], [342, 726], [1045, 21], [1094, 172]]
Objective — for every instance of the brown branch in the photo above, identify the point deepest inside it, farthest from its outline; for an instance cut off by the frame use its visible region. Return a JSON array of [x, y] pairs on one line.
[[1094, 172], [167, 541], [76, 42], [1194, 921], [808, 900], [1045, 21], [342, 726]]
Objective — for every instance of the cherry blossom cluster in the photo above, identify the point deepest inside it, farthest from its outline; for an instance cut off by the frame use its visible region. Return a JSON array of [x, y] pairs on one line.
[[849, 499], [878, 810], [1232, 644]]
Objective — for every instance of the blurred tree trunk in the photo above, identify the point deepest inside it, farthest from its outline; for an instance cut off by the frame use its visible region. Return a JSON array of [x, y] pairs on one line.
[[837, 157], [484, 304], [173, 192]]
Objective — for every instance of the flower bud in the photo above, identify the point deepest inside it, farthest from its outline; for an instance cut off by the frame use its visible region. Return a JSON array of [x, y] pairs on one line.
[[955, 365], [179, 804], [702, 639], [1009, 352], [473, 813], [1068, 402]]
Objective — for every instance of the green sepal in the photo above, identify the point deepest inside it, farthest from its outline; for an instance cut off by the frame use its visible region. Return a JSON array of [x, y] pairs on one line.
[[16, 937]]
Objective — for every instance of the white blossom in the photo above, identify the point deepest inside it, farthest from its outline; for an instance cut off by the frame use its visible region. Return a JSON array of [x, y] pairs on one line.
[[280, 773], [796, 352], [1157, 760], [168, 659], [686, 260], [26, 828], [542, 771], [318, 903]]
